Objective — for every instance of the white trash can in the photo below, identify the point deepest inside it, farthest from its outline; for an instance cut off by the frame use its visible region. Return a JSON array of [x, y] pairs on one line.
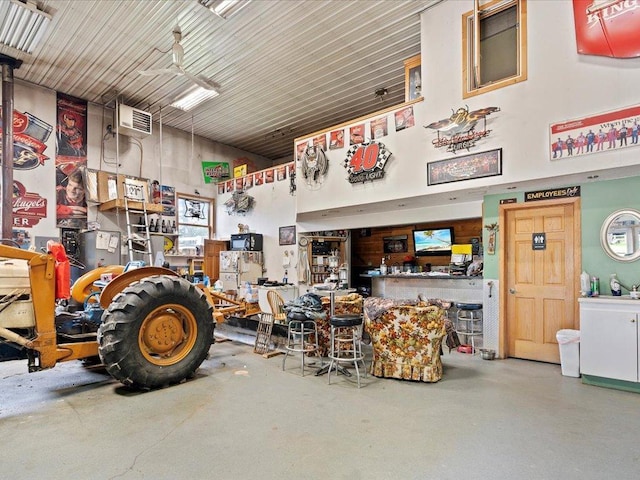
[[569, 343]]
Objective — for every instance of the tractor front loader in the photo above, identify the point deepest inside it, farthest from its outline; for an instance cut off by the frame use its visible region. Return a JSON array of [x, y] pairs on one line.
[[149, 327]]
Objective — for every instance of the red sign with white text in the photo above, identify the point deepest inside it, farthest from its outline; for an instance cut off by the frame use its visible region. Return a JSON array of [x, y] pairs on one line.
[[28, 207], [608, 28]]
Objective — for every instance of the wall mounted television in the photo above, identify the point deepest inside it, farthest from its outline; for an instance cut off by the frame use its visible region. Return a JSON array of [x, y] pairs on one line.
[[433, 241]]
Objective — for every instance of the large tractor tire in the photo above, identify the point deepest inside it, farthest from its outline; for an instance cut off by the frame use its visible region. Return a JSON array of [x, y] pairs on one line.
[[156, 332]]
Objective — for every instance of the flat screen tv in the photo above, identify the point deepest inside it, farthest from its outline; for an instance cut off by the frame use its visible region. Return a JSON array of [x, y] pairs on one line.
[[434, 241]]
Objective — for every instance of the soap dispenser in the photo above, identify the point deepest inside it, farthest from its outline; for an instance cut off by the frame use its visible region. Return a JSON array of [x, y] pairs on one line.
[[383, 267]]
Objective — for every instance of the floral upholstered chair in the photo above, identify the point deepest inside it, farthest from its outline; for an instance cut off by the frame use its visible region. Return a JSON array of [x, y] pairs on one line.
[[406, 341]]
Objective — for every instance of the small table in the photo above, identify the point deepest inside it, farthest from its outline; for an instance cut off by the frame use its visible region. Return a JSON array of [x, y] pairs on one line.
[[332, 298]]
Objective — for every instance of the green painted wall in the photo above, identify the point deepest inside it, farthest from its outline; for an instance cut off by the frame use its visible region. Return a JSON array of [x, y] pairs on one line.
[[598, 200], [490, 216]]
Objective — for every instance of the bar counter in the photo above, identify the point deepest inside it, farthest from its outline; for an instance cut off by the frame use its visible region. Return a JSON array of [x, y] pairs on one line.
[[456, 288]]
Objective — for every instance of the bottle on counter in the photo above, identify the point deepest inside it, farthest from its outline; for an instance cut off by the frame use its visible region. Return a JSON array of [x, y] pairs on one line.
[[616, 291], [383, 267], [595, 286], [585, 284]]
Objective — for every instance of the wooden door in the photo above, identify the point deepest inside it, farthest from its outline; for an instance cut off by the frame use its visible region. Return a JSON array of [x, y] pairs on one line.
[[212, 249], [540, 285]]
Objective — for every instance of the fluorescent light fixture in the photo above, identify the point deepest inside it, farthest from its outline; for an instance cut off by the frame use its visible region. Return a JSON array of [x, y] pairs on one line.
[[23, 26], [224, 8], [194, 97]]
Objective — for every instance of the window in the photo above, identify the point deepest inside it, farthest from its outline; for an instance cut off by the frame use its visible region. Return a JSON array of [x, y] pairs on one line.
[[195, 223], [495, 54]]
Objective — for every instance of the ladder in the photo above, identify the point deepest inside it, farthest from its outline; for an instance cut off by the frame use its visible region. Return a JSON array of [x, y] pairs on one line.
[[133, 237], [263, 334]]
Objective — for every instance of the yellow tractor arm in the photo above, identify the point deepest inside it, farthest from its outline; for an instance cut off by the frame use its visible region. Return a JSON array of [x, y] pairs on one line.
[[224, 306]]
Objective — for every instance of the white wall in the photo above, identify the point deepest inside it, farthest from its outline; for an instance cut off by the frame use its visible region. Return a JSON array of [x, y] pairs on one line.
[[405, 175], [561, 85], [175, 161], [274, 208]]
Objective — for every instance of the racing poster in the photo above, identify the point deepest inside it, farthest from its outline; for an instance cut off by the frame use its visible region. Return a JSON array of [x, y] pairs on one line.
[[71, 161]]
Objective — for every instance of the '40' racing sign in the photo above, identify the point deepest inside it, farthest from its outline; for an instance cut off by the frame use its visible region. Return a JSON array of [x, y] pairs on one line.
[[366, 161]]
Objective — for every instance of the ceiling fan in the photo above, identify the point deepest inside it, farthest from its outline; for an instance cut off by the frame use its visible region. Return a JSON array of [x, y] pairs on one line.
[[177, 67]]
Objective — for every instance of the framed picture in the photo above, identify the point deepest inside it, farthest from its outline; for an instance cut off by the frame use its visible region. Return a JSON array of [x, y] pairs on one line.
[[300, 148], [336, 139], [379, 128], [412, 78], [168, 200], [287, 235], [467, 167], [320, 140], [356, 134], [240, 171], [595, 134], [404, 118], [269, 176], [396, 244]]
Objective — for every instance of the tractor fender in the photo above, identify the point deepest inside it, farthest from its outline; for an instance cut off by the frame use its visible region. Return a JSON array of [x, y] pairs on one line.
[[122, 281], [83, 287]]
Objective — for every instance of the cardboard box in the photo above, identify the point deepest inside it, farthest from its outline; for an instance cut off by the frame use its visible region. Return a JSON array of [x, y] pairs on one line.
[[112, 188], [107, 186]]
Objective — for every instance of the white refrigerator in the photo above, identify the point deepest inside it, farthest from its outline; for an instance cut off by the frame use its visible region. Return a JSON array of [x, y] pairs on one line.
[[239, 267]]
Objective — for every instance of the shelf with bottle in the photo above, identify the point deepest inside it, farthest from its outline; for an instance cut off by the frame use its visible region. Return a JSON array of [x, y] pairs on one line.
[[180, 255], [158, 225]]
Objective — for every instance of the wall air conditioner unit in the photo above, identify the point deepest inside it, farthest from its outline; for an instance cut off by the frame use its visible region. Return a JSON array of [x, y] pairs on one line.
[[133, 122]]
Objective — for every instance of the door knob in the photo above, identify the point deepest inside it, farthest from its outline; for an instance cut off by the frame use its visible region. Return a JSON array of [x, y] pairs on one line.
[[512, 290]]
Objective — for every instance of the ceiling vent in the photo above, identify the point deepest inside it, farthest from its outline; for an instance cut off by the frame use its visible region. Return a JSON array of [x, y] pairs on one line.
[[133, 122]]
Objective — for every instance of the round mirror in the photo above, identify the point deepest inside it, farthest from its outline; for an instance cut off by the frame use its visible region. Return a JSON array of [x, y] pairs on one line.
[[620, 235]]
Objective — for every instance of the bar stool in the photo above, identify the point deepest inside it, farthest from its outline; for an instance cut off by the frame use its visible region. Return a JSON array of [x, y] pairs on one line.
[[469, 321], [346, 345], [302, 337]]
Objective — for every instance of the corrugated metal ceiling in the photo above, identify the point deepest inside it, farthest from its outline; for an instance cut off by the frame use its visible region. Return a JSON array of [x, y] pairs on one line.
[[285, 68]]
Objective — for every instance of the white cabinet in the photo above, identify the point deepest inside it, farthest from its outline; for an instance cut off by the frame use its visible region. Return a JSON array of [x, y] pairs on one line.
[[287, 292], [609, 337]]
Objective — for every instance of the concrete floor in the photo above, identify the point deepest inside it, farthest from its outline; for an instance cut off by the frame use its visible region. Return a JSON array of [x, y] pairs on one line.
[[242, 417]]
